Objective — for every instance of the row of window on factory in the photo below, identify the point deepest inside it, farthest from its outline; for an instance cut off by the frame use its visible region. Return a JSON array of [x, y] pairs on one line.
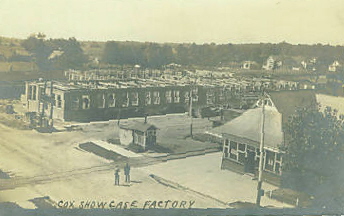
[[126, 99]]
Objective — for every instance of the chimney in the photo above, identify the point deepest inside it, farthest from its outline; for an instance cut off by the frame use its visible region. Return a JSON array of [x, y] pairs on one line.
[[145, 119]]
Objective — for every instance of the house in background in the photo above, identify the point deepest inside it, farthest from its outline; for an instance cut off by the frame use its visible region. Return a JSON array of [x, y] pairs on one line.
[[138, 133], [272, 63], [249, 65], [309, 64], [334, 67]]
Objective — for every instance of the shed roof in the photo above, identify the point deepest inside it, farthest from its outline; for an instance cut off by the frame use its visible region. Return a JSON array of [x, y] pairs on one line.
[[247, 128]]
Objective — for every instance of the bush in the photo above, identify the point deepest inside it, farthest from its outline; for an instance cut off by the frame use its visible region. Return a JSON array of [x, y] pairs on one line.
[[289, 196], [114, 141], [207, 138], [135, 148], [160, 149]]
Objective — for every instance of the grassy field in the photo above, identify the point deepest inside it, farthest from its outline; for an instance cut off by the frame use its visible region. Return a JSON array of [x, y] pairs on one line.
[[97, 150], [174, 133], [11, 67]]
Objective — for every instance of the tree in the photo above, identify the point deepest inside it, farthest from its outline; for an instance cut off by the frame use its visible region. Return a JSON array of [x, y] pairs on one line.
[[72, 55], [40, 51], [314, 158]]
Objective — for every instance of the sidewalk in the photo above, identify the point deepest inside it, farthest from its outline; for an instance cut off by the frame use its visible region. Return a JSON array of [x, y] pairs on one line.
[[116, 148], [203, 174]]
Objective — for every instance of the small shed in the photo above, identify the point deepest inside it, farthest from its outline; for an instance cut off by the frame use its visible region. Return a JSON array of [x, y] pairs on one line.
[[138, 133]]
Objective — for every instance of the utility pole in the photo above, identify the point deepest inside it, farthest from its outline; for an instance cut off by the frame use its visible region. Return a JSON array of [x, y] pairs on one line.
[[260, 192], [193, 84], [119, 116], [51, 121], [190, 111], [42, 98]]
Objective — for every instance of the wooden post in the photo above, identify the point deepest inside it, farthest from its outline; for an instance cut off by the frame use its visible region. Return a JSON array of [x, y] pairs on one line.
[[223, 151], [119, 116], [261, 158], [43, 103], [190, 112]]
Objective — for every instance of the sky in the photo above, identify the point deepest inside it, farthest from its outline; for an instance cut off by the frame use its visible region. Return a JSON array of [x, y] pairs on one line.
[[179, 21]]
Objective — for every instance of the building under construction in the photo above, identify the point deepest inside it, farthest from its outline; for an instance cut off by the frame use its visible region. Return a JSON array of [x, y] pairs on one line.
[[99, 100]]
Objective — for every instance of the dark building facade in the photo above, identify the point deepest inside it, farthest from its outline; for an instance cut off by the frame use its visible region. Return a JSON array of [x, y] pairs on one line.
[[100, 101]]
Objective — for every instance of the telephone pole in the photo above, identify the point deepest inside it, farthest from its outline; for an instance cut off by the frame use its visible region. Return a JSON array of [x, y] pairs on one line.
[[190, 111], [260, 192], [191, 101], [51, 121]]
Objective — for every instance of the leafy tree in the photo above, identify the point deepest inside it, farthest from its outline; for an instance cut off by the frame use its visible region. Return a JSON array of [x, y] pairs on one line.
[[314, 159], [156, 55], [40, 51], [72, 55]]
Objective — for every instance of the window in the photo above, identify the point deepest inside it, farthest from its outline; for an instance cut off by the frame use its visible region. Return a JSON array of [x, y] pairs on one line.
[[270, 160], [151, 133], [112, 100], [241, 157], [168, 95], [58, 101], [75, 103], [135, 138], [186, 96], [195, 94], [226, 149], [156, 97], [34, 92], [210, 96], [233, 156], [278, 168], [176, 97], [140, 139], [237, 151], [134, 99], [125, 100], [29, 93], [242, 147], [233, 150], [241, 152], [234, 145], [85, 101], [221, 95], [257, 154], [148, 99], [101, 100]]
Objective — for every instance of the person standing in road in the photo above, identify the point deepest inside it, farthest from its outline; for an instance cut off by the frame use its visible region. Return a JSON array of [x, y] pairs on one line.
[[117, 177], [127, 173]]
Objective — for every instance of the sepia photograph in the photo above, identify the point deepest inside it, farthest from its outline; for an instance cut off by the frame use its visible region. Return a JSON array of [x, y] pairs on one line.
[[171, 107]]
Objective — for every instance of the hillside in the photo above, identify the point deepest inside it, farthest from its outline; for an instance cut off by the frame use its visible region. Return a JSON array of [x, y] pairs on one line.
[[18, 55], [14, 57]]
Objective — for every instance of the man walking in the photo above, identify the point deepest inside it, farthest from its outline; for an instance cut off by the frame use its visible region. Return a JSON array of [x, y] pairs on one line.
[[117, 177], [127, 173]]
